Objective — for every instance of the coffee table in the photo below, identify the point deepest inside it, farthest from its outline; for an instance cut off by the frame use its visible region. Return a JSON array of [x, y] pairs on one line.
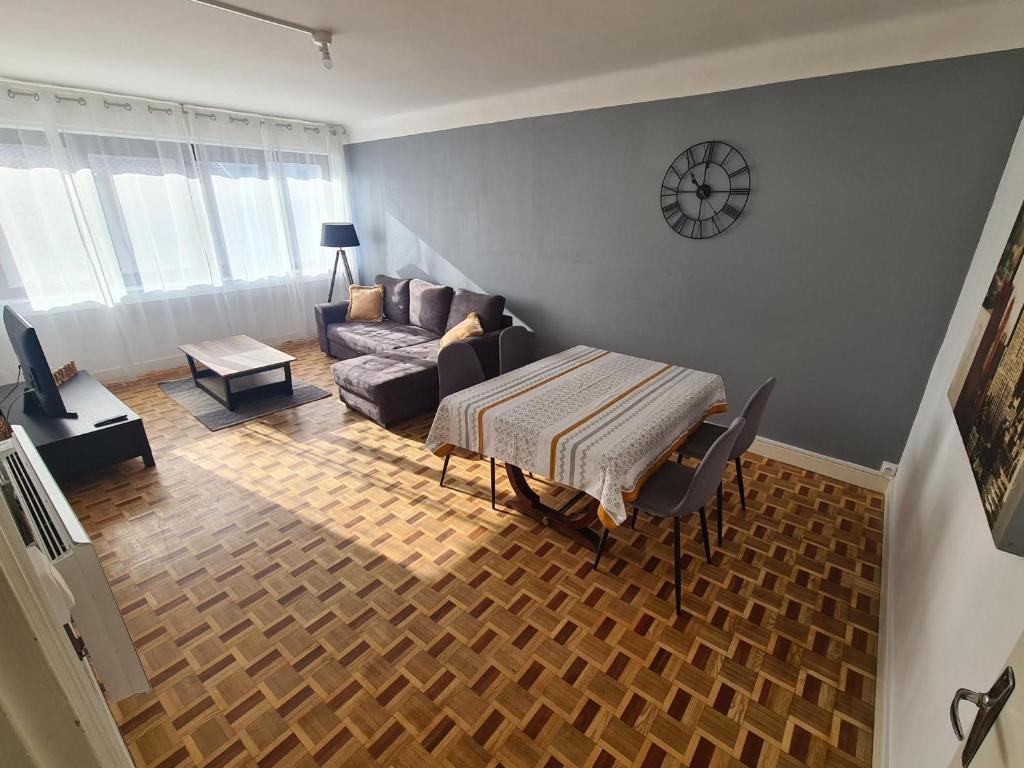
[[237, 367]]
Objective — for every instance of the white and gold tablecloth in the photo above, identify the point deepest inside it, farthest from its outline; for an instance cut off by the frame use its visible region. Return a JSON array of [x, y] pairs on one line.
[[597, 421]]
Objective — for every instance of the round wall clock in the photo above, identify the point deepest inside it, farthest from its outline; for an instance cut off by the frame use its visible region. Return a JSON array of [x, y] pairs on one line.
[[705, 190]]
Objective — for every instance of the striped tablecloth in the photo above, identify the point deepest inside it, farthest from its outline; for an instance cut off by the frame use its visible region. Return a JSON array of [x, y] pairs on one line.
[[597, 421]]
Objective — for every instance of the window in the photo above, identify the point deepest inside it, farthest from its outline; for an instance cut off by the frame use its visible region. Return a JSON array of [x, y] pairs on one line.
[[146, 192], [245, 211], [113, 218], [43, 255], [307, 181]]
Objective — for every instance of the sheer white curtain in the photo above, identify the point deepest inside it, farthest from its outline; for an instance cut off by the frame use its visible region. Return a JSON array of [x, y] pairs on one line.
[[128, 227]]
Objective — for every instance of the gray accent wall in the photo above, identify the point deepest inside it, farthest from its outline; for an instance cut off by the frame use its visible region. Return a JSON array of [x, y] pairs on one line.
[[869, 192]]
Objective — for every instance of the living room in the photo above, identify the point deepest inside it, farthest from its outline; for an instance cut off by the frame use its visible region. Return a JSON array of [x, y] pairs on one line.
[[511, 384]]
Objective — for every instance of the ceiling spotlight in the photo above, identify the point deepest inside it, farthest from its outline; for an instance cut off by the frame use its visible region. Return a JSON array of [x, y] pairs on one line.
[[322, 40], [321, 37]]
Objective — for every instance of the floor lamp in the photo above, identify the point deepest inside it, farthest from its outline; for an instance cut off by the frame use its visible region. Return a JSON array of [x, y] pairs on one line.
[[340, 235]]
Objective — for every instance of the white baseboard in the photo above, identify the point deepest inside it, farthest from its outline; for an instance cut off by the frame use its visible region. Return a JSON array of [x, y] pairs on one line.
[[128, 375], [837, 469], [880, 746]]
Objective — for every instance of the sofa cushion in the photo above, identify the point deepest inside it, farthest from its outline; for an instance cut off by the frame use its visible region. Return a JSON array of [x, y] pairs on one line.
[[467, 329], [390, 411], [365, 303], [396, 298], [388, 376], [489, 308], [368, 338], [429, 305]]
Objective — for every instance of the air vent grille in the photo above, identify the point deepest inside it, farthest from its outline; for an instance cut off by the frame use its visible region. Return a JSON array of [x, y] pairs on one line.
[[51, 536]]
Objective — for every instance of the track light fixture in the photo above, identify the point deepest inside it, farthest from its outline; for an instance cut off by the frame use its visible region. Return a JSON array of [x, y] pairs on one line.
[[322, 38]]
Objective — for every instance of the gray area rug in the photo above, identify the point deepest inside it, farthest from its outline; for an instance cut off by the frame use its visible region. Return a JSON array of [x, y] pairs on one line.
[[214, 416]]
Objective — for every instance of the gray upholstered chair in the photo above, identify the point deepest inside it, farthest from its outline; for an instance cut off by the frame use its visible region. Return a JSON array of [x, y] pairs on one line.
[[676, 490], [458, 368], [515, 348], [702, 439]]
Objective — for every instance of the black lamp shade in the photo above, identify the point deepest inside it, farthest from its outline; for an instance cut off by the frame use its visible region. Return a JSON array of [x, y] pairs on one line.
[[338, 235]]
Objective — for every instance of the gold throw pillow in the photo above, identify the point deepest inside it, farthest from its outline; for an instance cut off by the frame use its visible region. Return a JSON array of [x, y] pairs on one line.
[[366, 303], [467, 329]]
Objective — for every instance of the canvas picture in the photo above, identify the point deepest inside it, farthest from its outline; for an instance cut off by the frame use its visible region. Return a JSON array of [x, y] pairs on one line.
[[987, 392]]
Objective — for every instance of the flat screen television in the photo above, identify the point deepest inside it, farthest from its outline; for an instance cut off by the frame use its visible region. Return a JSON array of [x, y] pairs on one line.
[[42, 395]]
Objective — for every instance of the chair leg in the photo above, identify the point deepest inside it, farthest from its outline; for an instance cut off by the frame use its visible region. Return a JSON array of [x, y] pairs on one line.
[[633, 523], [600, 547], [492, 485], [678, 566], [704, 533], [719, 514], [444, 469], [739, 481]]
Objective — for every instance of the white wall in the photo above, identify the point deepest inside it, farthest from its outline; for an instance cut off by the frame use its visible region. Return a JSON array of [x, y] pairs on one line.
[[119, 343], [955, 604]]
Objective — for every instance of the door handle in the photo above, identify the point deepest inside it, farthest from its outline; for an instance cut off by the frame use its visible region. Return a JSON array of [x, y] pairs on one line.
[[989, 705]]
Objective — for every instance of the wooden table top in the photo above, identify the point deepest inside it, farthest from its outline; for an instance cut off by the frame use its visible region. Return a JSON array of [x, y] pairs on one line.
[[235, 355]]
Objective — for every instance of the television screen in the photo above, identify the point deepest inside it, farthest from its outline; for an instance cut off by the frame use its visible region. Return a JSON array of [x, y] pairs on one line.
[[41, 391]]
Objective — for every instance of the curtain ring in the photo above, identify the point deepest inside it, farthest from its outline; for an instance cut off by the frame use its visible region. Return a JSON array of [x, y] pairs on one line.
[[242, 120], [61, 99], [126, 106], [13, 94]]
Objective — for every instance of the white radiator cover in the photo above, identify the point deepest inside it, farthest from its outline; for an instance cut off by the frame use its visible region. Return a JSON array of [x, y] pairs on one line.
[[61, 538]]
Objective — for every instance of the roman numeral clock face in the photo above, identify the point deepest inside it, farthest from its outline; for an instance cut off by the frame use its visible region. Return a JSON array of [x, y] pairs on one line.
[[705, 190]]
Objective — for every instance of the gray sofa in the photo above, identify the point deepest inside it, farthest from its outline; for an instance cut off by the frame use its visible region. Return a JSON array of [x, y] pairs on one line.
[[388, 370]]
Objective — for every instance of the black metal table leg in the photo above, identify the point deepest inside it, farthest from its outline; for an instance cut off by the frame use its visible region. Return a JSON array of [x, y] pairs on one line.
[[719, 514]]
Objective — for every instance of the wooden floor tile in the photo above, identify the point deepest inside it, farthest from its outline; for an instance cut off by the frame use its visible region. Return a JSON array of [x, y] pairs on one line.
[[302, 592]]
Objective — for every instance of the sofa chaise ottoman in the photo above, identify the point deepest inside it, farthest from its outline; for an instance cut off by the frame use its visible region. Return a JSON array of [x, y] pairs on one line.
[[387, 370]]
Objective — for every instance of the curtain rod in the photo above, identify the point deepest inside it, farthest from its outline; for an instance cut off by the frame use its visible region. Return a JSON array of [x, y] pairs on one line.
[[182, 105], [239, 11]]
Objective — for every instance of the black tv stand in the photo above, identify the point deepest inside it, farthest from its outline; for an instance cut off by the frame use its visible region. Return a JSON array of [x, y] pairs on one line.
[[71, 445]]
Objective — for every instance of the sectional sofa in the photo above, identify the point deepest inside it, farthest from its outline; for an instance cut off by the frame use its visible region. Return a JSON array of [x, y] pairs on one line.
[[388, 370]]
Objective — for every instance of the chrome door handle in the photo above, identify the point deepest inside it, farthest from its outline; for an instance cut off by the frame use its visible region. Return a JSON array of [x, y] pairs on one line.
[[989, 705]]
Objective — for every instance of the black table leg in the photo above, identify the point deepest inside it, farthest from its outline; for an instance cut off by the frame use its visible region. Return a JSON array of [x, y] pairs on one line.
[[229, 403]]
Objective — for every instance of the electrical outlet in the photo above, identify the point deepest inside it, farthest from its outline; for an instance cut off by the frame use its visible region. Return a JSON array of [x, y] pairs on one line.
[[889, 469]]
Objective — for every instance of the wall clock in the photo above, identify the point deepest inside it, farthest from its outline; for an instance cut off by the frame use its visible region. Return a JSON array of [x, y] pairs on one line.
[[705, 190]]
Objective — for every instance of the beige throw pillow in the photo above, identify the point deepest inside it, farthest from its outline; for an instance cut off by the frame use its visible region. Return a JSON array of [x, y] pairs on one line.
[[467, 329], [366, 303]]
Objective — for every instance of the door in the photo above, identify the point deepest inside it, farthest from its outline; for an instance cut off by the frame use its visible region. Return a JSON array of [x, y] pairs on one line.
[[1003, 746]]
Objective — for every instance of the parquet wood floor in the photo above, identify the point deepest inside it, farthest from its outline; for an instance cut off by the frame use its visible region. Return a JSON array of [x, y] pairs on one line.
[[303, 593]]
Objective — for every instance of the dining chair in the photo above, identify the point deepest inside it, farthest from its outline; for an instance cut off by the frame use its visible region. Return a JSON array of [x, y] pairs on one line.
[[515, 348], [752, 412], [458, 368], [676, 490]]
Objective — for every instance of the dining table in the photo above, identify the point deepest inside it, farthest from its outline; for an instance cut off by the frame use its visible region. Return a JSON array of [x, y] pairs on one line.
[[597, 422]]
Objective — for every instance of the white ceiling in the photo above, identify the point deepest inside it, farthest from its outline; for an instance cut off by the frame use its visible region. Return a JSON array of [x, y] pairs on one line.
[[396, 56]]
